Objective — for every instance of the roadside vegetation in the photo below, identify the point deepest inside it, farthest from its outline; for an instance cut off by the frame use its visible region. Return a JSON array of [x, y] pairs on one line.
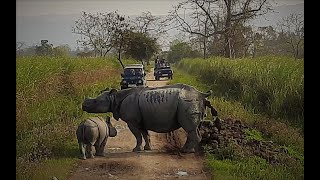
[[49, 94], [218, 50], [267, 95], [270, 85]]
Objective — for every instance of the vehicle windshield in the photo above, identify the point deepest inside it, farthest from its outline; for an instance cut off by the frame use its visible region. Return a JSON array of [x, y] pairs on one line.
[[164, 67], [133, 72]]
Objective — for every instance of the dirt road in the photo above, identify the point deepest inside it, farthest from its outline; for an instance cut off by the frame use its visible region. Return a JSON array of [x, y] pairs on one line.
[[163, 162]]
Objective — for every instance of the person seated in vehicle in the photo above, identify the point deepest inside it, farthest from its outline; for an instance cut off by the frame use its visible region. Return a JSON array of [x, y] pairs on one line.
[[162, 61], [156, 61], [139, 72], [129, 72]]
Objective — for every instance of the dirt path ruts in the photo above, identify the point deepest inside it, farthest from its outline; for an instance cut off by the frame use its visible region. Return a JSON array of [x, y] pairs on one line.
[[162, 162]]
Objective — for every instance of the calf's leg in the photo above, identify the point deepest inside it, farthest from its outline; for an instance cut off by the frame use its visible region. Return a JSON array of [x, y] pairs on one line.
[[89, 151], [100, 147], [82, 151]]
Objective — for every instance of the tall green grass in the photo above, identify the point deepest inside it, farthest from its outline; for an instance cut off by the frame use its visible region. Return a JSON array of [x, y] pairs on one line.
[[252, 168], [49, 93], [249, 167], [269, 85]]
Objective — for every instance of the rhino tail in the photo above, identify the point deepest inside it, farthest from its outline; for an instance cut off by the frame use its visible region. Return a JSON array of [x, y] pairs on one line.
[[208, 93], [212, 109], [80, 133], [83, 131]]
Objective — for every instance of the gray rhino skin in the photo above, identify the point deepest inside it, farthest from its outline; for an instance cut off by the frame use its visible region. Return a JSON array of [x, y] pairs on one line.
[[160, 109], [94, 132]]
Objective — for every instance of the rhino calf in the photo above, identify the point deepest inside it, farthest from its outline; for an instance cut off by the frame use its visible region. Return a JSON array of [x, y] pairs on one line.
[[94, 132]]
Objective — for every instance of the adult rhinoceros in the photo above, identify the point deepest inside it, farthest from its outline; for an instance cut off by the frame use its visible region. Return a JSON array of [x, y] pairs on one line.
[[159, 109]]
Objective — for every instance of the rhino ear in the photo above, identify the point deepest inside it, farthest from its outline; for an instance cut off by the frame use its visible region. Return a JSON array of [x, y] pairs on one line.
[[119, 97], [112, 91]]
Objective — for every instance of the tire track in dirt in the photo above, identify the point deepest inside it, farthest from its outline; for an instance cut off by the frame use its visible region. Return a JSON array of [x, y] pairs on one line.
[[163, 162]]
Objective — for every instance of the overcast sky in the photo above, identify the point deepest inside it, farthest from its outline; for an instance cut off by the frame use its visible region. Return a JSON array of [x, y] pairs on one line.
[[128, 7], [53, 19]]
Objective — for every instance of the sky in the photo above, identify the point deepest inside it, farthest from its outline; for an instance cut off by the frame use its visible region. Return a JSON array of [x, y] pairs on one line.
[[45, 19], [64, 7], [129, 7]]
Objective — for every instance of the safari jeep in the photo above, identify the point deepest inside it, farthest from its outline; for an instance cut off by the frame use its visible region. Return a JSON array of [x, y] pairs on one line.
[[163, 70], [133, 76]]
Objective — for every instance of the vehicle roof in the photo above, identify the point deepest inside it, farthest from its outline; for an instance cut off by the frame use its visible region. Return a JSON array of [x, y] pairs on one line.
[[163, 67], [134, 66]]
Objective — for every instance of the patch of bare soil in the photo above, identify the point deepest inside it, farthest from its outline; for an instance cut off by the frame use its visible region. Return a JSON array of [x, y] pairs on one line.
[[163, 162]]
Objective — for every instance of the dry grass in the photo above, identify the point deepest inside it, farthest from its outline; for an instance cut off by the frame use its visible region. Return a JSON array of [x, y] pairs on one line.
[[48, 97]]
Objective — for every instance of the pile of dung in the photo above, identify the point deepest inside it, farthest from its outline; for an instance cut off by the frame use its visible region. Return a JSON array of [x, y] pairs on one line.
[[229, 138]]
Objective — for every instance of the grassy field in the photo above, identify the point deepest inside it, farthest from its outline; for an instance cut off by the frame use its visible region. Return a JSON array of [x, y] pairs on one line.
[[49, 93], [273, 86], [229, 80]]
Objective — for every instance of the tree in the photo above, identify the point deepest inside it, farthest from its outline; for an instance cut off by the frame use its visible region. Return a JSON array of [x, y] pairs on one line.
[[208, 18], [19, 48], [179, 50], [264, 42], [27, 51], [292, 27], [140, 46], [243, 38], [62, 50], [152, 27], [216, 45], [20, 45], [99, 31], [122, 29], [147, 24], [44, 49]]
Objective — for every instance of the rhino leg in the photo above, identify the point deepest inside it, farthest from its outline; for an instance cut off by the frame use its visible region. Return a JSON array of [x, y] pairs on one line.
[[192, 141], [137, 134], [89, 151], [146, 138], [82, 151], [100, 148], [112, 130], [190, 115]]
